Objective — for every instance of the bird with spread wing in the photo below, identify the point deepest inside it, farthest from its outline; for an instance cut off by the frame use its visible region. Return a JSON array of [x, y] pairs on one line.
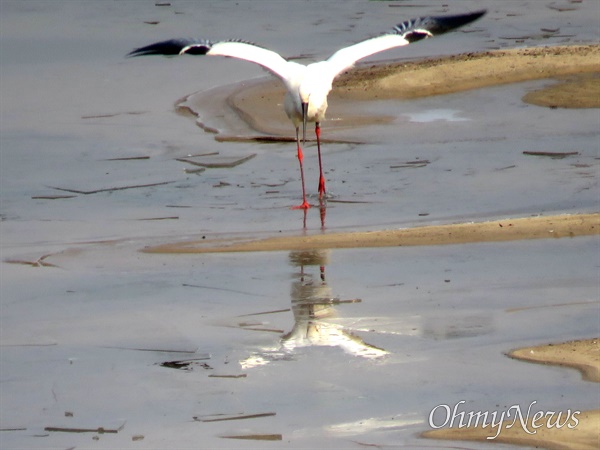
[[308, 85]]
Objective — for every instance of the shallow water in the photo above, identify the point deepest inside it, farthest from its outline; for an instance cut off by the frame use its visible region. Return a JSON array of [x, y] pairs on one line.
[[421, 322], [427, 161], [358, 348]]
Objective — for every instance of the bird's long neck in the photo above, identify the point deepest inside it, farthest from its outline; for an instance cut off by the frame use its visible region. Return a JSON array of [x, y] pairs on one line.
[[314, 89]]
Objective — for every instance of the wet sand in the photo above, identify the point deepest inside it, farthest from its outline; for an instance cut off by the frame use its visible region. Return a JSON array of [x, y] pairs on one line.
[[583, 355], [584, 437], [578, 91], [577, 67], [503, 230], [118, 332], [474, 71]]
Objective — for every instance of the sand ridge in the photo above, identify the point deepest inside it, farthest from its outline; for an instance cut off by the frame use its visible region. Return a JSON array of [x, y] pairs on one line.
[[468, 71], [583, 355], [582, 437], [492, 231], [577, 67], [93, 321]]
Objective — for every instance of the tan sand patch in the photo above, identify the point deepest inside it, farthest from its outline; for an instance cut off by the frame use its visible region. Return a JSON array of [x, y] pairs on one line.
[[584, 436], [584, 433], [583, 355], [580, 91], [494, 231], [467, 71], [401, 81], [406, 80]]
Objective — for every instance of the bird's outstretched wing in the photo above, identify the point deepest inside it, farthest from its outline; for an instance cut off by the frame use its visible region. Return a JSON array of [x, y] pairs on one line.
[[402, 34], [268, 59]]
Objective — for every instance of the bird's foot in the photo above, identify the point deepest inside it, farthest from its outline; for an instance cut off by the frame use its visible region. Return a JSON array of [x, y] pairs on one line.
[[305, 205]]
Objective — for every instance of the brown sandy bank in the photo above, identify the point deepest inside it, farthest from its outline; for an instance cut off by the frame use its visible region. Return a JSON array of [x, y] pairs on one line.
[[583, 434], [583, 355], [575, 91], [471, 71], [409, 80], [498, 230]]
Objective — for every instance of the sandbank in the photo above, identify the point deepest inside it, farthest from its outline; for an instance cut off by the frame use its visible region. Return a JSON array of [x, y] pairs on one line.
[[492, 231], [584, 436], [583, 355], [90, 327], [472, 71], [574, 68]]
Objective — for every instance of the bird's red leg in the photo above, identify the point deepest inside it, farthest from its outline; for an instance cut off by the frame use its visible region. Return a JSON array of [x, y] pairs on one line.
[[321, 177], [305, 205]]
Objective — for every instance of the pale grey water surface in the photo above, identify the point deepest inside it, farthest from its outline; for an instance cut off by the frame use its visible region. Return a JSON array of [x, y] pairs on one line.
[[86, 331]]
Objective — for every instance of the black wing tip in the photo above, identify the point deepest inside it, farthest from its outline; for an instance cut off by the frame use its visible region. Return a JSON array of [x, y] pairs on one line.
[[172, 47], [424, 27], [448, 23], [476, 14], [470, 17]]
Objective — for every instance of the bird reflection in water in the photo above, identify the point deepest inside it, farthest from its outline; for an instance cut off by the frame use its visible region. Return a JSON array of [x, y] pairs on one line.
[[322, 214], [314, 307]]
